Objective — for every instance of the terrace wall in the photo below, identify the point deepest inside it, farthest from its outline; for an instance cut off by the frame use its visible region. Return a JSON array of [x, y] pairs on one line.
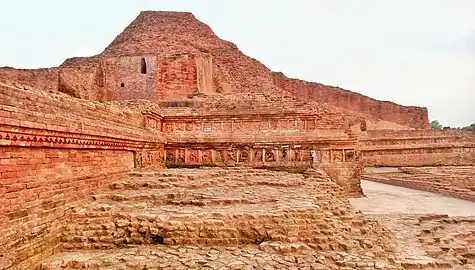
[[56, 150], [417, 148]]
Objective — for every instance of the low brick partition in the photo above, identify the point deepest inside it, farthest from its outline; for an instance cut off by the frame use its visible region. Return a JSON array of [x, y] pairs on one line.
[[453, 181], [397, 148]]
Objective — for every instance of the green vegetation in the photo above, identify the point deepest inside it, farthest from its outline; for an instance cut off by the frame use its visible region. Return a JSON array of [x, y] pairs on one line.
[[436, 125]]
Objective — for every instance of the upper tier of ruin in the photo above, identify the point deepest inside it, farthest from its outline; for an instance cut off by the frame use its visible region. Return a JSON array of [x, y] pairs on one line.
[[171, 56]]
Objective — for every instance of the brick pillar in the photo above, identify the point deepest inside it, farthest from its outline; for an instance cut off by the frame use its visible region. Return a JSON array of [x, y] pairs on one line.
[[186, 155], [264, 155], [200, 156]]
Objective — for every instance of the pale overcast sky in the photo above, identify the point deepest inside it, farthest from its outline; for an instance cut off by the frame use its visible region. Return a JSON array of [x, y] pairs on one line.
[[412, 52]]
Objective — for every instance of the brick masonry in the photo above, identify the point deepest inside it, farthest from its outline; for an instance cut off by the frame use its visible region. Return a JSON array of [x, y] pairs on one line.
[[183, 97], [417, 148]]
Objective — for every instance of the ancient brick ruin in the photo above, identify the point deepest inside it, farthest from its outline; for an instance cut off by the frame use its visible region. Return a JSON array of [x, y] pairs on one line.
[[156, 147]]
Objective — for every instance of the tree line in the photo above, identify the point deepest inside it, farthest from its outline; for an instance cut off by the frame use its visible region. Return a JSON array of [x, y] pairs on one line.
[[436, 125]]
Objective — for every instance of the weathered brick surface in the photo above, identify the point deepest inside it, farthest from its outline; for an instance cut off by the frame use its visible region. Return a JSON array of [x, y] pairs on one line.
[[413, 117], [55, 151], [45, 79], [37, 187], [168, 91], [227, 207], [184, 57]]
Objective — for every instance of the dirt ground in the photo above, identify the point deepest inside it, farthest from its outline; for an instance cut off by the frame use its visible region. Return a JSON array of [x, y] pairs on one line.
[[432, 230], [387, 199]]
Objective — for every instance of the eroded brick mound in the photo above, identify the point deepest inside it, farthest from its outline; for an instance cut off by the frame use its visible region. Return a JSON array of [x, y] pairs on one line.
[[225, 212]]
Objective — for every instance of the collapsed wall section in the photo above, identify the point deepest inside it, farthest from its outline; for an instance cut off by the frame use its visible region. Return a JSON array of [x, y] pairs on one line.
[[45, 78], [409, 116]]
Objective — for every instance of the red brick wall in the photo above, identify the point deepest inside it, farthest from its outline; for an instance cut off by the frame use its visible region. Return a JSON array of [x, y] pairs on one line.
[[177, 77], [37, 188], [205, 75], [251, 127], [414, 117], [54, 151], [417, 148], [125, 80], [346, 175], [157, 77]]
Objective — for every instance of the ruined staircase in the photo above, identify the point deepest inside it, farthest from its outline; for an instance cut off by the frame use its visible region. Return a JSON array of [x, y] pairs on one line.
[[220, 218]]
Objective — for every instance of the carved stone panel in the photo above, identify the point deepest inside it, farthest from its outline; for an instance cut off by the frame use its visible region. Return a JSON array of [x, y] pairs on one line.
[[216, 126], [300, 124], [206, 156], [284, 155], [337, 155], [171, 156], [254, 126], [192, 156], [239, 126], [148, 158], [194, 126], [306, 155], [257, 156], [180, 126], [219, 156], [181, 156], [244, 156], [270, 156], [189, 126], [292, 125], [283, 124], [350, 155], [326, 156], [231, 156], [168, 127], [297, 155]]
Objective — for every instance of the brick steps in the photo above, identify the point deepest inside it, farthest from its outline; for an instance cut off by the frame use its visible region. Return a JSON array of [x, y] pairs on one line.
[[217, 207]]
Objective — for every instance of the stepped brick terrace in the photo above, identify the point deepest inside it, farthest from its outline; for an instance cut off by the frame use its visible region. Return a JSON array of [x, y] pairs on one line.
[[171, 149]]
